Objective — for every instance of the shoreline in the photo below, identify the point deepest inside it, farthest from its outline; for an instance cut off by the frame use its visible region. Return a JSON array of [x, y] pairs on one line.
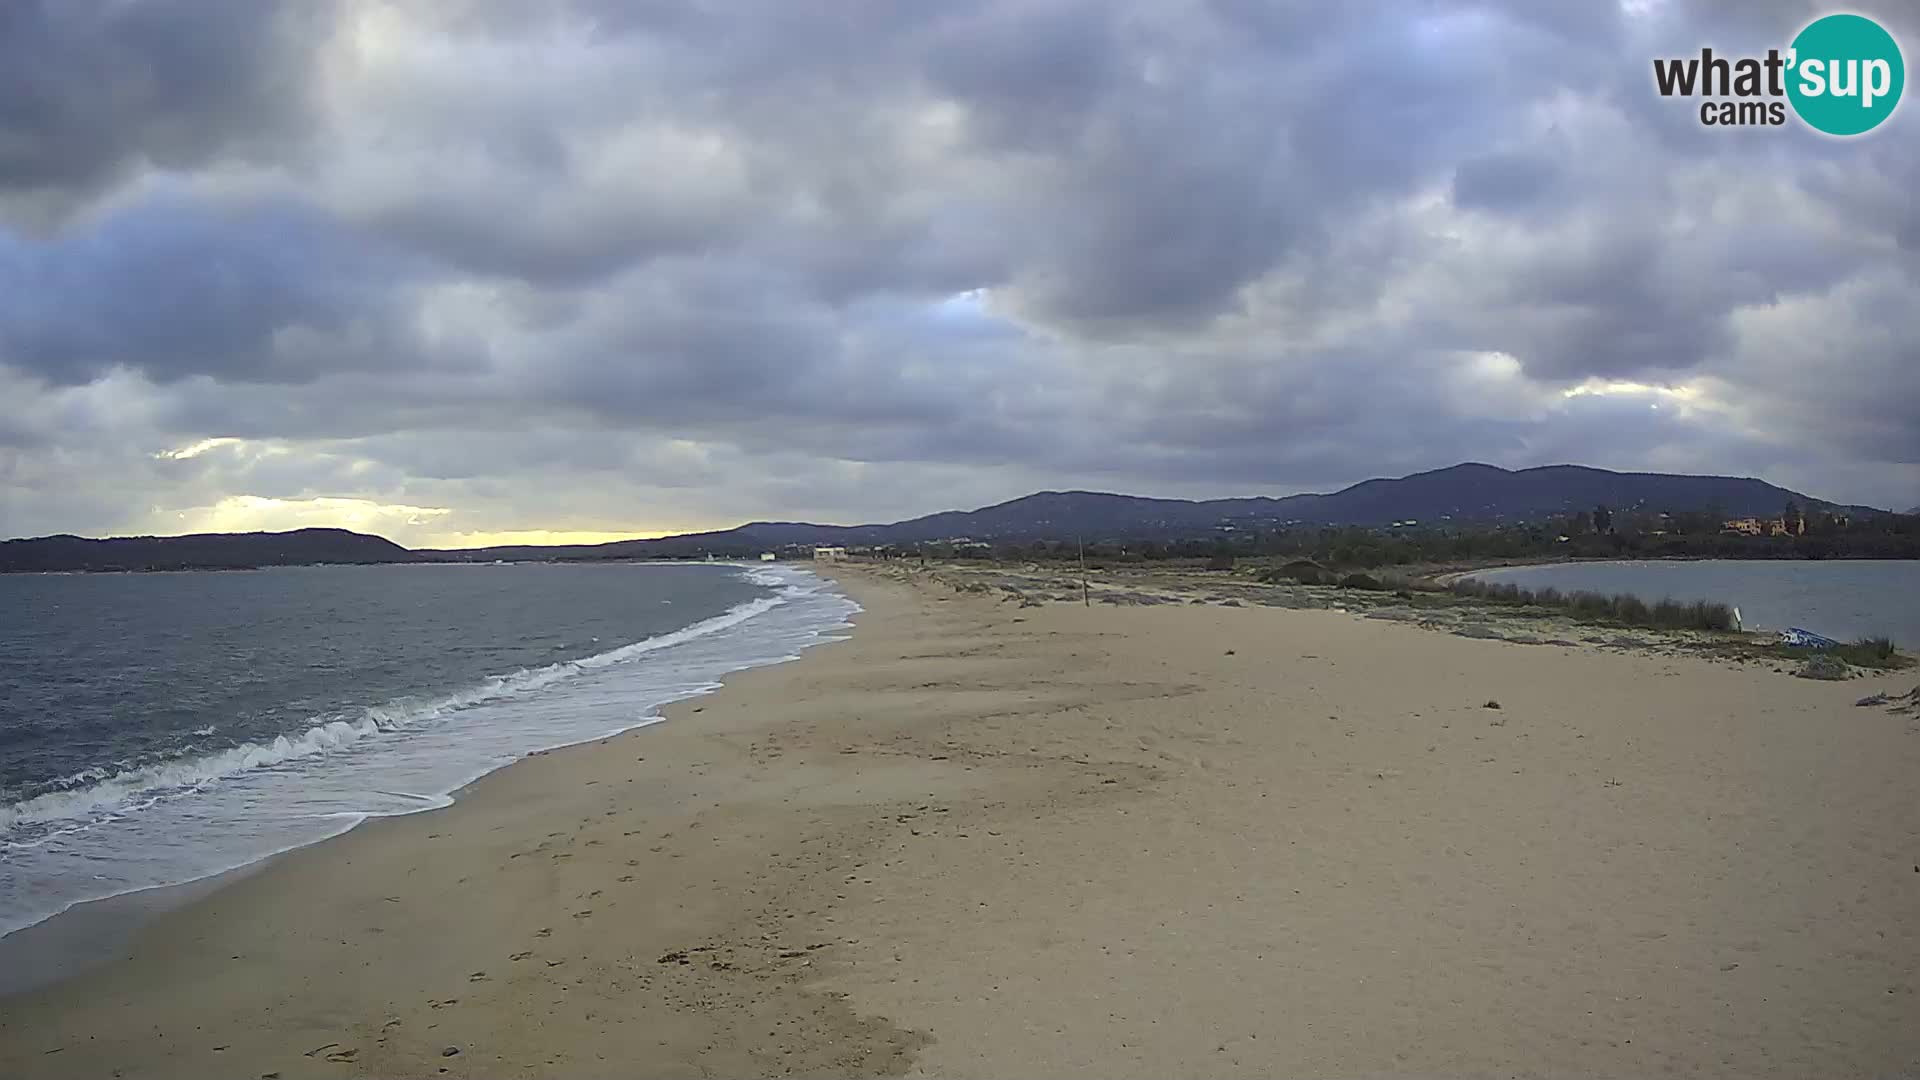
[[142, 959], [1449, 575], [95, 931], [985, 837], [95, 934]]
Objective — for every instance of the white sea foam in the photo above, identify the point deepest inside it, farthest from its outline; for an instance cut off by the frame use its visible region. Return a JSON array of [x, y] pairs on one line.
[[169, 822], [137, 787]]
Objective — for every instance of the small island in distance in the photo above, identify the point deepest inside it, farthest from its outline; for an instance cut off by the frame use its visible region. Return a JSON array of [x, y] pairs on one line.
[[1467, 512]]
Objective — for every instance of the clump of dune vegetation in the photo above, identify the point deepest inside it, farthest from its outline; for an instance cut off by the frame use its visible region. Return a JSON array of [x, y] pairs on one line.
[[1874, 652], [1620, 609], [1824, 666], [1299, 572]]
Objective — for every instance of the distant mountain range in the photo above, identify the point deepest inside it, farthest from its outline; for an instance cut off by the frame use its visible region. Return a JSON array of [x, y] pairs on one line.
[[1461, 494]]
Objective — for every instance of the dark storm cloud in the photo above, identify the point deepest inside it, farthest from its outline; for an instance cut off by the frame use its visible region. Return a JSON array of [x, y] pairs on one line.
[[176, 287], [869, 259], [1035, 76], [90, 91]]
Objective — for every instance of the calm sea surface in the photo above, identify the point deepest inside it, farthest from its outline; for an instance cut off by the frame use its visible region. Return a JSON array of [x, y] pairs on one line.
[[1841, 598], [158, 728]]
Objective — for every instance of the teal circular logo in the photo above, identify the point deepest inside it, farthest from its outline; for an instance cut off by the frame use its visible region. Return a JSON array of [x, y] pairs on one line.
[[1845, 74]]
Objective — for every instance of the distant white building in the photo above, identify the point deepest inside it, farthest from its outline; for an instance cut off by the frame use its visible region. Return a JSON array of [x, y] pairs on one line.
[[829, 554], [768, 556]]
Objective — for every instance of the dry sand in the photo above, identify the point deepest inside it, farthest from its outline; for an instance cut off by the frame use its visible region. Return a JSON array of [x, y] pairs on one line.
[[981, 839]]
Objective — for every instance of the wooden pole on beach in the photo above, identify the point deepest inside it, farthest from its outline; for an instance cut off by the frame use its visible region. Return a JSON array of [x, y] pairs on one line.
[[1081, 545]]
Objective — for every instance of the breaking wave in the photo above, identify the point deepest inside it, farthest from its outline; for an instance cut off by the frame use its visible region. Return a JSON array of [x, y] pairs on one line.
[[96, 793]]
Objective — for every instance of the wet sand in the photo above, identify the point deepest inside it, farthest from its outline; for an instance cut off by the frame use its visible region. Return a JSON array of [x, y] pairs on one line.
[[988, 839]]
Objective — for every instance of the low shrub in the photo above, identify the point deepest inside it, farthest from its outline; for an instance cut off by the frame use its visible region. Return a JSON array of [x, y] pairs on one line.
[[1590, 604], [1621, 608], [1823, 666], [1299, 571], [1707, 615], [1873, 652]]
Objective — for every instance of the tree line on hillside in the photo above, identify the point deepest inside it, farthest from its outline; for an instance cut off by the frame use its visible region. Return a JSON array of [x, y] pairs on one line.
[[1598, 533]]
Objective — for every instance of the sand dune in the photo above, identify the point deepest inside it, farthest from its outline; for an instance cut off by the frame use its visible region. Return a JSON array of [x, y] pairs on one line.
[[986, 839]]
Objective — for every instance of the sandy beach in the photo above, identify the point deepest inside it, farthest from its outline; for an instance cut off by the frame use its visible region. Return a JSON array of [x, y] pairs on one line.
[[987, 838]]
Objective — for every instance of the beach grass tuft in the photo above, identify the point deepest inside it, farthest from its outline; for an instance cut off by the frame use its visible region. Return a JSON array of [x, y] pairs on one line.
[[1871, 652]]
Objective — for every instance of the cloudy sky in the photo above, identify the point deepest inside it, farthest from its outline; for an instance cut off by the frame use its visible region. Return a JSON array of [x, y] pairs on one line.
[[462, 271]]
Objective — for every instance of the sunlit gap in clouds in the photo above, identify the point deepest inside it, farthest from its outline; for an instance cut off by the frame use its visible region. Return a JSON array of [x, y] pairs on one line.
[[1617, 388], [411, 526], [195, 449], [258, 513]]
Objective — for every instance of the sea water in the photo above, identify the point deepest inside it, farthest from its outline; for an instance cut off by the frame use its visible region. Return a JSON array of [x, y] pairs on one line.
[[160, 728]]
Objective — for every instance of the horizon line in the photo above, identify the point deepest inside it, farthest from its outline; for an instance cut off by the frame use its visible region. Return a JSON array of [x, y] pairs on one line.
[[887, 524]]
